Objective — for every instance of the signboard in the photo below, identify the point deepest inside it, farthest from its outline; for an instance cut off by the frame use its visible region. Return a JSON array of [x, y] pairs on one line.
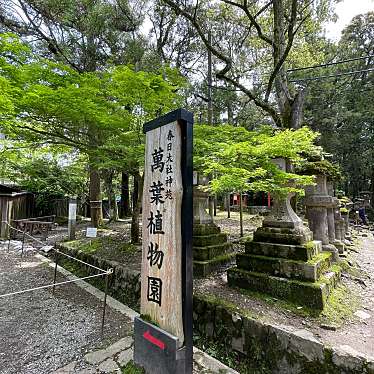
[[166, 276], [73, 210], [91, 232], [72, 221]]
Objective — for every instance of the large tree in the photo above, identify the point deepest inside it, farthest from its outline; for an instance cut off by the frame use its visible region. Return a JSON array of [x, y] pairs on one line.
[[340, 103], [254, 41], [85, 35], [52, 104]]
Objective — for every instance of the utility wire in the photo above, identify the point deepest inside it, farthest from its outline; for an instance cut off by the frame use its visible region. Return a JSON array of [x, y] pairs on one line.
[[331, 76], [330, 63]]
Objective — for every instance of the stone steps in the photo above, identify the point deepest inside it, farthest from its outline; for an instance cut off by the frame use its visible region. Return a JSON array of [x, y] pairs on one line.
[[204, 268], [300, 252], [298, 270], [211, 251], [206, 240], [281, 235], [205, 229], [309, 294]]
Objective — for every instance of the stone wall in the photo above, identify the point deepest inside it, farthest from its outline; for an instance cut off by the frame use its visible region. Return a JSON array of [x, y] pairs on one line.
[[267, 348], [263, 348], [124, 283]]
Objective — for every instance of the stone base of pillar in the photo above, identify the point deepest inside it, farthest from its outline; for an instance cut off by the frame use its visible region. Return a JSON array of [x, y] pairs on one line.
[[211, 249], [340, 246], [332, 249]]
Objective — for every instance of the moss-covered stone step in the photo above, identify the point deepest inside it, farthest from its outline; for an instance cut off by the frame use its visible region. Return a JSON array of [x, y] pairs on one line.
[[210, 252], [309, 294], [281, 235], [205, 229], [204, 268], [205, 240], [305, 271], [301, 252]]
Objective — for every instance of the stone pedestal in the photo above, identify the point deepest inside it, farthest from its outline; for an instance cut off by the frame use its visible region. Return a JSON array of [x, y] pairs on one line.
[[211, 250], [284, 261], [318, 203]]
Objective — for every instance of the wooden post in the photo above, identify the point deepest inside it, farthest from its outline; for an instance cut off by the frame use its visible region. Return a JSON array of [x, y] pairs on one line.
[[166, 276]]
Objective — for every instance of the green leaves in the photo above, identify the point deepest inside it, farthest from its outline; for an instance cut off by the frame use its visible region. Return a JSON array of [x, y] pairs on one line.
[[99, 113], [241, 160]]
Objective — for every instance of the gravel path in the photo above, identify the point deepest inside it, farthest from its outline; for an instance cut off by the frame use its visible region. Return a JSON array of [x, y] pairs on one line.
[[359, 334], [40, 332]]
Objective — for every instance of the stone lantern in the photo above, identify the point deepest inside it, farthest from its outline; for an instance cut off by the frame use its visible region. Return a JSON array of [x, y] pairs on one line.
[[283, 260], [211, 249], [319, 212]]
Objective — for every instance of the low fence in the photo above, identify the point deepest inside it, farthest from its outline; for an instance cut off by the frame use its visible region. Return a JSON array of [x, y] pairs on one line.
[[58, 254]]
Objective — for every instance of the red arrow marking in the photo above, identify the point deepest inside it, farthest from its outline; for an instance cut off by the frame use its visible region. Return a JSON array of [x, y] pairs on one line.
[[147, 335]]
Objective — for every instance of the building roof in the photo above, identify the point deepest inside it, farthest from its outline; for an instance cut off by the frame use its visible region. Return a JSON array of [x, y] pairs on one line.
[[11, 190]]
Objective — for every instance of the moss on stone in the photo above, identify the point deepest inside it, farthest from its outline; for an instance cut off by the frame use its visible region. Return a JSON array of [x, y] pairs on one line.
[[203, 268], [148, 318], [132, 368], [323, 256], [340, 306]]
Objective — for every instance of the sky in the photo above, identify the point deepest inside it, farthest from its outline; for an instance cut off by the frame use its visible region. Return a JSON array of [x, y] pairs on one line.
[[346, 10]]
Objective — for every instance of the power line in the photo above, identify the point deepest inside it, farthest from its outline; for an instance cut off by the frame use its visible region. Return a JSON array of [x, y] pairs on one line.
[[331, 76], [330, 63]]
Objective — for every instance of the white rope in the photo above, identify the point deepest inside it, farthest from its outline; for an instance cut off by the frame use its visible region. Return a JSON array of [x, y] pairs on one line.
[[53, 285], [24, 233], [77, 259]]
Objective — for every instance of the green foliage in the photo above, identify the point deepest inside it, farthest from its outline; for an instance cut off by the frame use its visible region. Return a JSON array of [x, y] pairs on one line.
[[241, 160], [99, 113], [332, 171], [132, 368]]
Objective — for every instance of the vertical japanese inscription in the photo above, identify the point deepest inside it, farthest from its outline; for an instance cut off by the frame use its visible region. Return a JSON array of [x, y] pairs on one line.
[[162, 246]]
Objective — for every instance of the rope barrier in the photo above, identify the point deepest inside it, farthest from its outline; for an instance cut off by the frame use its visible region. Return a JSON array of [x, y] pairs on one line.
[[56, 284], [24, 233], [77, 259], [103, 272]]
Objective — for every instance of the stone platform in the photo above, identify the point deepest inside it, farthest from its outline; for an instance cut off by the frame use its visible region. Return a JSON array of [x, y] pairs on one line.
[[211, 250], [285, 262]]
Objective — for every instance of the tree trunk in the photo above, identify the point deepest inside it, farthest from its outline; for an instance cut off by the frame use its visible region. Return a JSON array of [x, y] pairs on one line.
[[372, 188], [135, 193], [95, 197], [228, 206], [135, 228], [112, 204], [125, 210], [230, 113], [241, 214]]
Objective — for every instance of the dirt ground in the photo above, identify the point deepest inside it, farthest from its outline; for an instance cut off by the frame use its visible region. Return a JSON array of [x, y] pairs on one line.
[[41, 332]]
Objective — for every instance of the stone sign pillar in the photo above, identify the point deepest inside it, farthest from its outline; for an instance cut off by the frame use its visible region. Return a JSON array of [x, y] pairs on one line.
[[163, 333], [317, 202], [72, 222]]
